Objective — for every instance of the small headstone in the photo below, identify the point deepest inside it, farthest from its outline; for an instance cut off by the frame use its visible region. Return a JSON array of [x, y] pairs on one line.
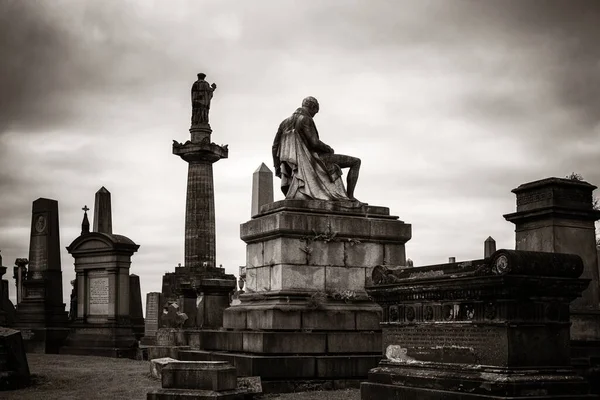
[[252, 384], [409, 262], [451, 260], [7, 309], [262, 188], [489, 247], [153, 313], [102, 212]]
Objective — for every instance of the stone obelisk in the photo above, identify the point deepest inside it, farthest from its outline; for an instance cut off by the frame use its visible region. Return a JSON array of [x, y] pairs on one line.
[[200, 154], [103, 212]]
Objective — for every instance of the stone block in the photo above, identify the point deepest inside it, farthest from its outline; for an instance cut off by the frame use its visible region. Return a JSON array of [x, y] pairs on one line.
[[344, 278], [369, 320], [234, 318], [298, 277], [355, 366], [208, 375], [252, 384], [285, 250], [341, 320], [354, 227], [251, 283], [263, 279], [255, 255], [273, 319], [15, 373], [363, 254], [157, 365], [394, 254], [222, 340], [194, 339], [165, 351], [354, 342], [192, 394], [326, 253], [284, 342]]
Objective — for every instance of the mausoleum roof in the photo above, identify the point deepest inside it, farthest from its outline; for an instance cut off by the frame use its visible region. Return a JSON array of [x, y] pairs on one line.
[[98, 241]]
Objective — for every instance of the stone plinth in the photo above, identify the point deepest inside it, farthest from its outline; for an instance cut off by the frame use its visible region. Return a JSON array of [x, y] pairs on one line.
[[103, 324], [198, 380], [41, 315], [305, 312], [495, 328]]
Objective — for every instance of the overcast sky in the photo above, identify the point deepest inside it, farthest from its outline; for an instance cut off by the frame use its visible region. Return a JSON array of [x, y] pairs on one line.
[[449, 104]]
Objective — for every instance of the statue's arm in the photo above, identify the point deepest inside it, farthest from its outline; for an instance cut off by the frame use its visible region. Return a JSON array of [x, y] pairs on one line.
[[309, 131]]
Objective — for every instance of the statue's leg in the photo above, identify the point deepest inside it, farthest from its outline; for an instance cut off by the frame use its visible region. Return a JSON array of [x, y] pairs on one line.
[[345, 162]]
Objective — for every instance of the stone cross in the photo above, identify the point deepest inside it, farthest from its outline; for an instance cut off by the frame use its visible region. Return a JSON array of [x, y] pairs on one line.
[[489, 247], [85, 224], [102, 212], [262, 188]]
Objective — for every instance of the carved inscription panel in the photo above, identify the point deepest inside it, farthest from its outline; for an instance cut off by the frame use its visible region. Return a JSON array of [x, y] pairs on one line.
[[455, 343], [98, 295], [152, 310]]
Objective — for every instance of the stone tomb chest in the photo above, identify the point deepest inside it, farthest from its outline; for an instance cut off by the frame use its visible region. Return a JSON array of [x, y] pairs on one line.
[[103, 323]]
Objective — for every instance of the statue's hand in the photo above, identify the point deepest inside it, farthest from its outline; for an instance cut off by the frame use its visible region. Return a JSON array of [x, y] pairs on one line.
[[214, 86]]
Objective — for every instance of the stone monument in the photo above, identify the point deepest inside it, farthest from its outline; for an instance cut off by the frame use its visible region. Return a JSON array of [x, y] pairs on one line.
[[557, 215], [14, 369], [200, 276], [136, 311], [152, 320], [304, 314], [19, 274], [496, 328], [262, 188], [41, 315], [103, 323]]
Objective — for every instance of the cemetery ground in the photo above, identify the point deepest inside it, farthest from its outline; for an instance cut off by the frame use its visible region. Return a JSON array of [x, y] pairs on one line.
[[68, 377]]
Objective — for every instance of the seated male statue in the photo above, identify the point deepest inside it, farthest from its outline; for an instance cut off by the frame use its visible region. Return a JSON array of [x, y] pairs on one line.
[[308, 168]]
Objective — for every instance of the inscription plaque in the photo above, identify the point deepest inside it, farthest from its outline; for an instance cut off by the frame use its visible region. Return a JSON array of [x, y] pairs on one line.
[[459, 343], [98, 296]]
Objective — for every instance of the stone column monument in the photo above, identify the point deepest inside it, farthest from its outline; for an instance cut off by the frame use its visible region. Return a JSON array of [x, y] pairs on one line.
[[41, 314], [200, 274], [103, 323]]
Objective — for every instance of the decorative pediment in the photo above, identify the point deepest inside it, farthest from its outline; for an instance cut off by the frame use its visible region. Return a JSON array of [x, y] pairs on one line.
[[96, 241]]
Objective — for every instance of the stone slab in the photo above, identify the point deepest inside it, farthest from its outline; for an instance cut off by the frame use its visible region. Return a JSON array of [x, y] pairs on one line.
[[206, 375], [329, 207], [346, 366], [15, 371], [353, 342], [157, 365], [252, 384], [188, 394], [284, 342]]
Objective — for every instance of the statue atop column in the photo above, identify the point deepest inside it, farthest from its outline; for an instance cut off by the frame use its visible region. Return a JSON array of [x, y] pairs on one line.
[[202, 94], [309, 168]]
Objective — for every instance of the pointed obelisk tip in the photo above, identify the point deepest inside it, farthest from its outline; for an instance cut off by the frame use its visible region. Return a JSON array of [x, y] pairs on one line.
[[263, 168], [102, 212], [490, 239]]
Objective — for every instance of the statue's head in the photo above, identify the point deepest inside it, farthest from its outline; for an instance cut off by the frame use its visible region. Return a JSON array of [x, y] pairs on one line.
[[201, 75], [311, 104]]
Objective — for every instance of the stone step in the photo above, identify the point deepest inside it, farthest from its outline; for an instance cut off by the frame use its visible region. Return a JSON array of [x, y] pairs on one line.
[[291, 367]]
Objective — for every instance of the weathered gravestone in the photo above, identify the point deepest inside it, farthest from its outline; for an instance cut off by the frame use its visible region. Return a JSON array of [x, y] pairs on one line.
[[496, 328], [153, 313], [102, 260], [41, 315], [262, 188], [14, 369]]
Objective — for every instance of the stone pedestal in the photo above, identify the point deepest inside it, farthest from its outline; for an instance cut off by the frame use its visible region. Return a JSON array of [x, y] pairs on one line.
[[41, 315], [103, 325], [496, 328], [305, 311], [557, 215]]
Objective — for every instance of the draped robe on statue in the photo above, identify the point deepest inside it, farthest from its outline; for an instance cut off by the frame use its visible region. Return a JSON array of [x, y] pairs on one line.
[[296, 152]]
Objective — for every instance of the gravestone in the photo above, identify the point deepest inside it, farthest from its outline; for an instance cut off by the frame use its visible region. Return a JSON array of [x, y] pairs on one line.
[[154, 311], [19, 274], [136, 311], [495, 328], [41, 315], [14, 369], [103, 324], [103, 212], [262, 188], [7, 309]]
